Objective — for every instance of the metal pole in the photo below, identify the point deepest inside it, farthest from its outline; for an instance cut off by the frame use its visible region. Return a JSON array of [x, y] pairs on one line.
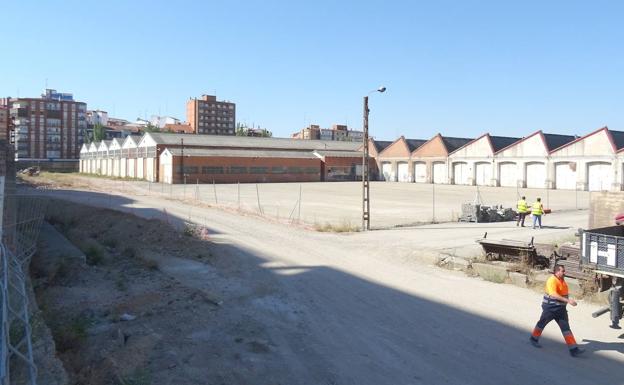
[[433, 202], [365, 176], [258, 196], [214, 187], [299, 210], [239, 195]]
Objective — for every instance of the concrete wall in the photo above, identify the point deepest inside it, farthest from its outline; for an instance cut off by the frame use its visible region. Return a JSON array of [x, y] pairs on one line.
[[603, 207], [65, 165]]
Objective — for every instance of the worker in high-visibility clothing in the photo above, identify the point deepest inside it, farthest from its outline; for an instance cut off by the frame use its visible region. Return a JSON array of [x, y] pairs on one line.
[[554, 308], [523, 210], [537, 210]]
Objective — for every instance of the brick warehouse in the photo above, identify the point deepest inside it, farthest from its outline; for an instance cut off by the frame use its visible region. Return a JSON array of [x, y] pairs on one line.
[[273, 159]]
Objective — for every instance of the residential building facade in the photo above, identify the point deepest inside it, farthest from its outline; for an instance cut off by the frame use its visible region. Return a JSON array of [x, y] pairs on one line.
[[97, 117], [49, 127], [4, 123], [209, 116], [338, 132]]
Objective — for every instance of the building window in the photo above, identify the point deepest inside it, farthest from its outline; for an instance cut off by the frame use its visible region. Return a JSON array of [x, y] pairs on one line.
[[238, 170], [258, 170], [212, 170]]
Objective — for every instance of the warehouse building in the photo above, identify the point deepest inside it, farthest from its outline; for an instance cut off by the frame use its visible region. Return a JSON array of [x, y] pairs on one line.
[[473, 163], [430, 161], [528, 163], [591, 162], [375, 147], [396, 160], [286, 159]]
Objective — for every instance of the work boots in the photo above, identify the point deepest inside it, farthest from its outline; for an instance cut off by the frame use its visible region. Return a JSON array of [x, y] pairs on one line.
[[576, 351]]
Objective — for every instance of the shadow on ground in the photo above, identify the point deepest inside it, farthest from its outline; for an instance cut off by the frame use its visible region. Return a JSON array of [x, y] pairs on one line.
[[324, 326]]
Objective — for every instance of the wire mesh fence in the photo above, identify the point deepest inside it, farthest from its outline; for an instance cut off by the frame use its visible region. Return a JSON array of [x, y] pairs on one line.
[[339, 203], [21, 221]]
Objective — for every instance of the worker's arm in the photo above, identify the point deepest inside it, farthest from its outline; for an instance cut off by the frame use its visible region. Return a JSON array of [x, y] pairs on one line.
[[562, 299], [551, 290]]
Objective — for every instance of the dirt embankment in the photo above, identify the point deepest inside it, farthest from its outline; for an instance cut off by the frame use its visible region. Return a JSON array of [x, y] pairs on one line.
[[120, 319]]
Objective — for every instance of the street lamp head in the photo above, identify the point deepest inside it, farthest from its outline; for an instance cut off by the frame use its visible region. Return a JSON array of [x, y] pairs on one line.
[[381, 89]]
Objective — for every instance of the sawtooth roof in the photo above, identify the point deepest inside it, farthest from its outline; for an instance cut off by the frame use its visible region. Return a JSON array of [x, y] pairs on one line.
[[453, 144], [413, 144], [554, 141], [500, 142]]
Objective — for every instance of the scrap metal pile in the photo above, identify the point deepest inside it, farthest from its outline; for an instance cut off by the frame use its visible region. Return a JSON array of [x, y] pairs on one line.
[[479, 213]]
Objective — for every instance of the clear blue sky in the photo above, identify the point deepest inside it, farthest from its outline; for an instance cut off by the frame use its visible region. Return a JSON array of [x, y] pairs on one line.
[[457, 67]]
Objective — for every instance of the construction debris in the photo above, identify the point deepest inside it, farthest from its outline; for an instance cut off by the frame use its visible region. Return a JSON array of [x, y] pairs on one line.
[[480, 213]]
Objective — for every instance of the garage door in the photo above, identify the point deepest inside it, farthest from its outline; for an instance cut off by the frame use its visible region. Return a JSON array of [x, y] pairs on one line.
[[420, 172], [403, 172], [123, 171], [460, 173], [149, 173], [140, 163], [483, 174], [115, 167], [132, 168], [439, 173], [599, 176], [565, 176], [536, 175], [386, 171], [508, 173]]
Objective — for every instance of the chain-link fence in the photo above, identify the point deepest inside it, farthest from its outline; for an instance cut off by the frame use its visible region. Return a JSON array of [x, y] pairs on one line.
[[322, 205], [21, 217]]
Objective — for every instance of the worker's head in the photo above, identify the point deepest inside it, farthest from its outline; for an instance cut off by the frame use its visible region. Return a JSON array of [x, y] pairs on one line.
[[539, 199], [559, 271], [523, 198]]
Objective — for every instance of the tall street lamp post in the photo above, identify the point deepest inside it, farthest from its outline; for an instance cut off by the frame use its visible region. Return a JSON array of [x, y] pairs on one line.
[[365, 169]]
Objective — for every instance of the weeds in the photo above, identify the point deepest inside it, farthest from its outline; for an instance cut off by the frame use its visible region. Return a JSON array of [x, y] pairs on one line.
[[343, 227], [110, 242], [69, 334], [120, 283], [94, 252], [139, 377]]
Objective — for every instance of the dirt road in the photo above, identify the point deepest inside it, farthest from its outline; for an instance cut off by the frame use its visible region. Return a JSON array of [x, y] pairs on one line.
[[358, 309]]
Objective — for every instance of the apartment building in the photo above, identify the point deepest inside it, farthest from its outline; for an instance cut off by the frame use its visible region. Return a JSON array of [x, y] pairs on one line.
[[338, 132], [49, 127], [4, 123], [97, 117], [207, 115]]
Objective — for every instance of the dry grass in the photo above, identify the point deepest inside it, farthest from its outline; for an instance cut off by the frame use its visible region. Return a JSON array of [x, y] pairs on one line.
[[344, 226]]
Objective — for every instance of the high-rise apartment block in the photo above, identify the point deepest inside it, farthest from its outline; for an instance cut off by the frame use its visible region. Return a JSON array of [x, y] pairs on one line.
[[50, 127], [209, 116], [4, 123]]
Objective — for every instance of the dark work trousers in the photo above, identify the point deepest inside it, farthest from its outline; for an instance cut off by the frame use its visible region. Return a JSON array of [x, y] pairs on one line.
[[521, 217], [552, 310]]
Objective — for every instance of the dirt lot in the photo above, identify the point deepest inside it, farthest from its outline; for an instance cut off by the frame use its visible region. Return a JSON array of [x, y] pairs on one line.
[[338, 204], [359, 308], [182, 333]]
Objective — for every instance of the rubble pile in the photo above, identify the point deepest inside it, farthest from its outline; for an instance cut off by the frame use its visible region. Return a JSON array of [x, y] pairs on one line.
[[479, 213]]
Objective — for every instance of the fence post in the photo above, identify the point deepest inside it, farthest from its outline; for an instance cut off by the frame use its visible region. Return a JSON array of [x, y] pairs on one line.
[[433, 220], [214, 187], [299, 210], [258, 197]]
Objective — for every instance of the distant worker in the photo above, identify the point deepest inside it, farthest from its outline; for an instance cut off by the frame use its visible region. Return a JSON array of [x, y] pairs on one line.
[[537, 211], [523, 210], [554, 308]]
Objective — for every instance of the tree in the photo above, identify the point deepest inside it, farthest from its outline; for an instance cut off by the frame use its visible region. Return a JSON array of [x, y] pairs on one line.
[[151, 128], [99, 132], [241, 129]]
